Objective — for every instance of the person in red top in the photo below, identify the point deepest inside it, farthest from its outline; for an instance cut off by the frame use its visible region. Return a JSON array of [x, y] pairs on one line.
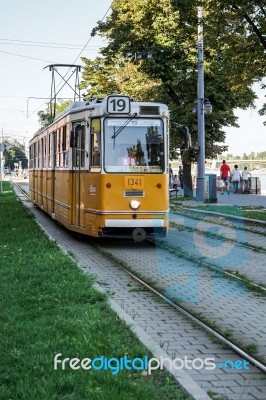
[[224, 174]]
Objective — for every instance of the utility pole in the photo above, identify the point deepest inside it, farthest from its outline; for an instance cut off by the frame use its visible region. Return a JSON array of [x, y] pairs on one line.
[[200, 192]]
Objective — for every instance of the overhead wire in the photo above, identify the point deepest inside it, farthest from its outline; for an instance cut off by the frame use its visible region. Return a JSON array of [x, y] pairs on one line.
[[48, 61], [49, 45], [20, 55], [90, 38], [79, 54]]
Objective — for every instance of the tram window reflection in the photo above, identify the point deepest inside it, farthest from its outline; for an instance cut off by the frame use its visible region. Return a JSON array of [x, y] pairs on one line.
[[95, 142], [138, 147]]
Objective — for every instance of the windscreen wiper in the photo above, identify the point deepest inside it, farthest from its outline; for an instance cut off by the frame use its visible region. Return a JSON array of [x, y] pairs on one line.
[[123, 126]]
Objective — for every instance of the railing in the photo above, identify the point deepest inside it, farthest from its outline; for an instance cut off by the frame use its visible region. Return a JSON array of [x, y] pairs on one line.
[[254, 185]]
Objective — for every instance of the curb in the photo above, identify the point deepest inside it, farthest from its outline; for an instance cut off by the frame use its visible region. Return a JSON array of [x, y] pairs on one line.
[[228, 216], [180, 376], [186, 383]]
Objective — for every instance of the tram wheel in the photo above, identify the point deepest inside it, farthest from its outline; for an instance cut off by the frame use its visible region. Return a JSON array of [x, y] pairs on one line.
[[139, 234]]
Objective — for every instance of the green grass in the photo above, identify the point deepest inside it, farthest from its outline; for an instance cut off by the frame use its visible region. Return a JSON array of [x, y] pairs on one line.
[[180, 201], [257, 213], [48, 306]]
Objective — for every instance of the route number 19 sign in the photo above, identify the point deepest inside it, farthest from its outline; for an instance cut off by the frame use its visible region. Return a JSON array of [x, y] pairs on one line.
[[118, 104]]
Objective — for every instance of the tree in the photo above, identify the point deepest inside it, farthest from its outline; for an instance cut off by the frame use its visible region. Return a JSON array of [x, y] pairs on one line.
[[252, 155], [14, 155], [241, 36], [167, 31], [101, 79], [45, 116], [261, 155]]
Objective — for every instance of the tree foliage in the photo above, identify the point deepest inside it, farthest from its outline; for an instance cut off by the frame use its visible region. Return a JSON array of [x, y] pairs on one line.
[[166, 32], [238, 31], [13, 155], [45, 116]]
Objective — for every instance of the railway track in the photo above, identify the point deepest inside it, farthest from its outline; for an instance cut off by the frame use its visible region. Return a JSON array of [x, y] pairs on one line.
[[168, 245], [216, 266], [211, 241], [230, 343], [138, 265], [241, 223]]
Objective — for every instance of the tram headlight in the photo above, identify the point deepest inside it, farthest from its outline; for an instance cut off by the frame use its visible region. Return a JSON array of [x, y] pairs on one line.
[[134, 204]]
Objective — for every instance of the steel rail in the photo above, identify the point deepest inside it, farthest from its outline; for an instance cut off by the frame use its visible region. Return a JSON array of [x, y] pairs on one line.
[[231, 275], [213, 267], [235, 347]]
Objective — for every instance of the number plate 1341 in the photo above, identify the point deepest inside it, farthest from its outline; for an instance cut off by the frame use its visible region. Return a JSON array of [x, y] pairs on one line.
[[133, 182]]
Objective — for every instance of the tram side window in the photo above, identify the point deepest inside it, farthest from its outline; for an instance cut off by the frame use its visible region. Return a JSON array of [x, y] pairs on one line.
[[34, 155], [65, 146], [31, 156], [80, 149], [39, 154], [50, 150], [60, 150], [95, 142], [57, 146], [44, 152]]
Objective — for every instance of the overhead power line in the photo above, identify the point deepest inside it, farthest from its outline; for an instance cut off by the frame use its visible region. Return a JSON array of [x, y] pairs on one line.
[[79, 54], [49, 45], [20, 55], [38, 42], [84, 47]]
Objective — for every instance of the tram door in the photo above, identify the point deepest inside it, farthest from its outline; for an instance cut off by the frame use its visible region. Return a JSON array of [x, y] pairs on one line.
[[78, 176], [50, 184]]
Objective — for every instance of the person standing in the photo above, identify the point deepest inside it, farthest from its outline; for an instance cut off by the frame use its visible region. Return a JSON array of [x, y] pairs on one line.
[[180, 176], [245, 175], [224, 175], [236, 178], [175, 182], [170, 175]]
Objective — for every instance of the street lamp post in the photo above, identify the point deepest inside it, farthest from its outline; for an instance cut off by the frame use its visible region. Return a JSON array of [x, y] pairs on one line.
[[200, 192]]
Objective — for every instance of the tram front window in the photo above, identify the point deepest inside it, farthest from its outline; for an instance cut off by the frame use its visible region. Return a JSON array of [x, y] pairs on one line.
[[135, 145]]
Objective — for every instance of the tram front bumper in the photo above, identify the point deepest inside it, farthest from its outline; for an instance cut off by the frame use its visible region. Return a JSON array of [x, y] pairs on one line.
[[134, 223]]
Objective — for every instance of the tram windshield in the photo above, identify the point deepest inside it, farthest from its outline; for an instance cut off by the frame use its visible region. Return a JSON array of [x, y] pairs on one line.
[[133, 145]]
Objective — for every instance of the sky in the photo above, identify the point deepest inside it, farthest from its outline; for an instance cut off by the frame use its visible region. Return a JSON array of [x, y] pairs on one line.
[[42, 32], [251, 135], [35, 34]]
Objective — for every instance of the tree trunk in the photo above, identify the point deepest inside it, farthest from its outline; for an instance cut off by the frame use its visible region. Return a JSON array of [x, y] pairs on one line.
[[187, 180], [256, 30]]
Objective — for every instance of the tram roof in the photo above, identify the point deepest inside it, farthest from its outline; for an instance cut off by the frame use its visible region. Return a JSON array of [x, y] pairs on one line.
[[98, 107]]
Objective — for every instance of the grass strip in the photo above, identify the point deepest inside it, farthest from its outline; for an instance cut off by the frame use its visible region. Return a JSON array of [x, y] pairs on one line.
[[256, 213], [193, 213], [49, 306]]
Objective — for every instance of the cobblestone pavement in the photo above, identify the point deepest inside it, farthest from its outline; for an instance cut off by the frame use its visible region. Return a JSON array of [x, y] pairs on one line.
[[252, 225], [161, 328], [226, 302], [238, 199], [217, 251]]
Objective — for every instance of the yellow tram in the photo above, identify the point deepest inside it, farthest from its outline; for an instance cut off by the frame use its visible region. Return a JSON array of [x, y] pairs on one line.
[[101, 168]]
